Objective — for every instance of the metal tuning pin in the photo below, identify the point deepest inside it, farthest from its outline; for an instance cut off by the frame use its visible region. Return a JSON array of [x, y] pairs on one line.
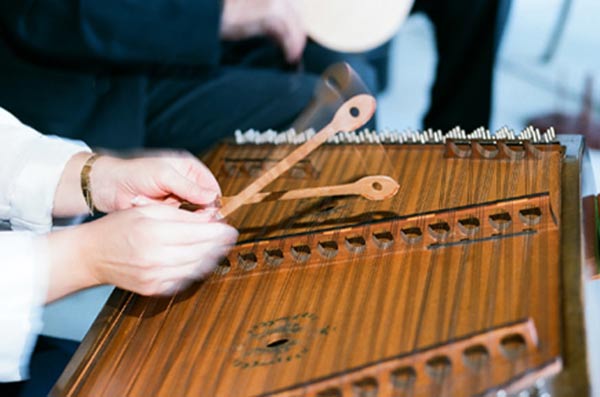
[[385, 136]]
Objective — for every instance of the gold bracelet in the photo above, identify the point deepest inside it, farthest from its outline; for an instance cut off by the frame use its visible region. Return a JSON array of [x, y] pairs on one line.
[[86, 187]]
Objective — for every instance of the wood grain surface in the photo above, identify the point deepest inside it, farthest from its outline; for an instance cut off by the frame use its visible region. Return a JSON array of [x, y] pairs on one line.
[[451, 287]]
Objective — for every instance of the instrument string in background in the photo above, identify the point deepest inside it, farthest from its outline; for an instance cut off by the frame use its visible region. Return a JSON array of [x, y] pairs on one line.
[[254, 315], [240, 291], [276, 211], [151, 385], [212, 289], [473, 178], [150, 305], [494, 259], [508, 183], [232, 184], [351, 207], [388, 160], [312, 304], [360, 315], [325, 273]]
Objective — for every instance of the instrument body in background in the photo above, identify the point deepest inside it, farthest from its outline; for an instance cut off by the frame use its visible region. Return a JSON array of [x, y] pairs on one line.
[[465, 282]]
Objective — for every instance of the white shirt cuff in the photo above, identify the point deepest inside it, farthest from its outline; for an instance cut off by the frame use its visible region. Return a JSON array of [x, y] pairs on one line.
[[32, 193]]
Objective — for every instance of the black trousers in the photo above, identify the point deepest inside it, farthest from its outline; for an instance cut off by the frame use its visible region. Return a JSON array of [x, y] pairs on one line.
[[467, 34], [253, 89]]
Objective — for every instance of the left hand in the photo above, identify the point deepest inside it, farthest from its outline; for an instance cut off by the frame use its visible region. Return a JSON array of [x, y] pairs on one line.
[[167, 178]]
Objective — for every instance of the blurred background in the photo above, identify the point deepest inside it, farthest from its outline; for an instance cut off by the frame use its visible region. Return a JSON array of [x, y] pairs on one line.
[[526, 84]]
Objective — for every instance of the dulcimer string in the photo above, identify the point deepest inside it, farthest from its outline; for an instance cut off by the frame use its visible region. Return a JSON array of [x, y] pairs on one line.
[[361, 108]]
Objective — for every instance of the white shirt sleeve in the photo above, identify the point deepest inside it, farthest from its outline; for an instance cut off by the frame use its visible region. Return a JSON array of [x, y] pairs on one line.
[[23, 286], [31, 165]]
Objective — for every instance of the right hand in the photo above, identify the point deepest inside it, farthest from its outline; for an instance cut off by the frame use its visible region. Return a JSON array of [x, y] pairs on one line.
[[279, 19], [151, 250]]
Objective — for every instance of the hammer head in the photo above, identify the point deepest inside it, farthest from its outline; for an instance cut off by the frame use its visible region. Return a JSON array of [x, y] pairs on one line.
[[338, 83]]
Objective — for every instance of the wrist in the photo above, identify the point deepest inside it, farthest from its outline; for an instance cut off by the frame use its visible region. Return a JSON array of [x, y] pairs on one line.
[[103, 183], [71, 262], [68, 200]]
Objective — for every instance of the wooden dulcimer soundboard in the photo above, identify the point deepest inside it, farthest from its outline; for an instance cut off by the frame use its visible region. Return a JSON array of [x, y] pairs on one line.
[[463, 283]]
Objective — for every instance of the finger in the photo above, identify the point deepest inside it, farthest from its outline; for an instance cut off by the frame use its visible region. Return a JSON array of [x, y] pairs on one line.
[[295, 47], [172, 287], [169, 213], [181, 234], [177, 184], [191, 271], [201, 175], [287, 28], [141, 201], [194, 169], [296, 41]]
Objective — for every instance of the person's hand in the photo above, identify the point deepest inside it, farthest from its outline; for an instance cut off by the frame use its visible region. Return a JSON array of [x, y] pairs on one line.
[[278, 19], [151, 250], [167, 178], [118, 184]]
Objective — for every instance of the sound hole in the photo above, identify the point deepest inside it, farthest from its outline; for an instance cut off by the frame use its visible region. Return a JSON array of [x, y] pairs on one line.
[[365, 388], [354, 111], [501, 220], [273, 257], [223, 267], [404, 377], [301, 253], [513, 346], [412, 235], [438, 367], [328, 249], [377, 186], [327, 207], [469, 226], [531, 216], [333, 392], [278, 342], [383, 239], [439, 230], [356, 244], [247, 261], [476, 356]]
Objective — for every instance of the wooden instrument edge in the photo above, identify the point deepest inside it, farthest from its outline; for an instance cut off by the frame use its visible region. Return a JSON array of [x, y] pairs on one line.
[[571, 381]]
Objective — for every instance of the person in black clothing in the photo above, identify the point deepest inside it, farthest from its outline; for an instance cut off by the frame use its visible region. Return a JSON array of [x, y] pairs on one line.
[[155, 73], [467, 36], [160, 73]]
